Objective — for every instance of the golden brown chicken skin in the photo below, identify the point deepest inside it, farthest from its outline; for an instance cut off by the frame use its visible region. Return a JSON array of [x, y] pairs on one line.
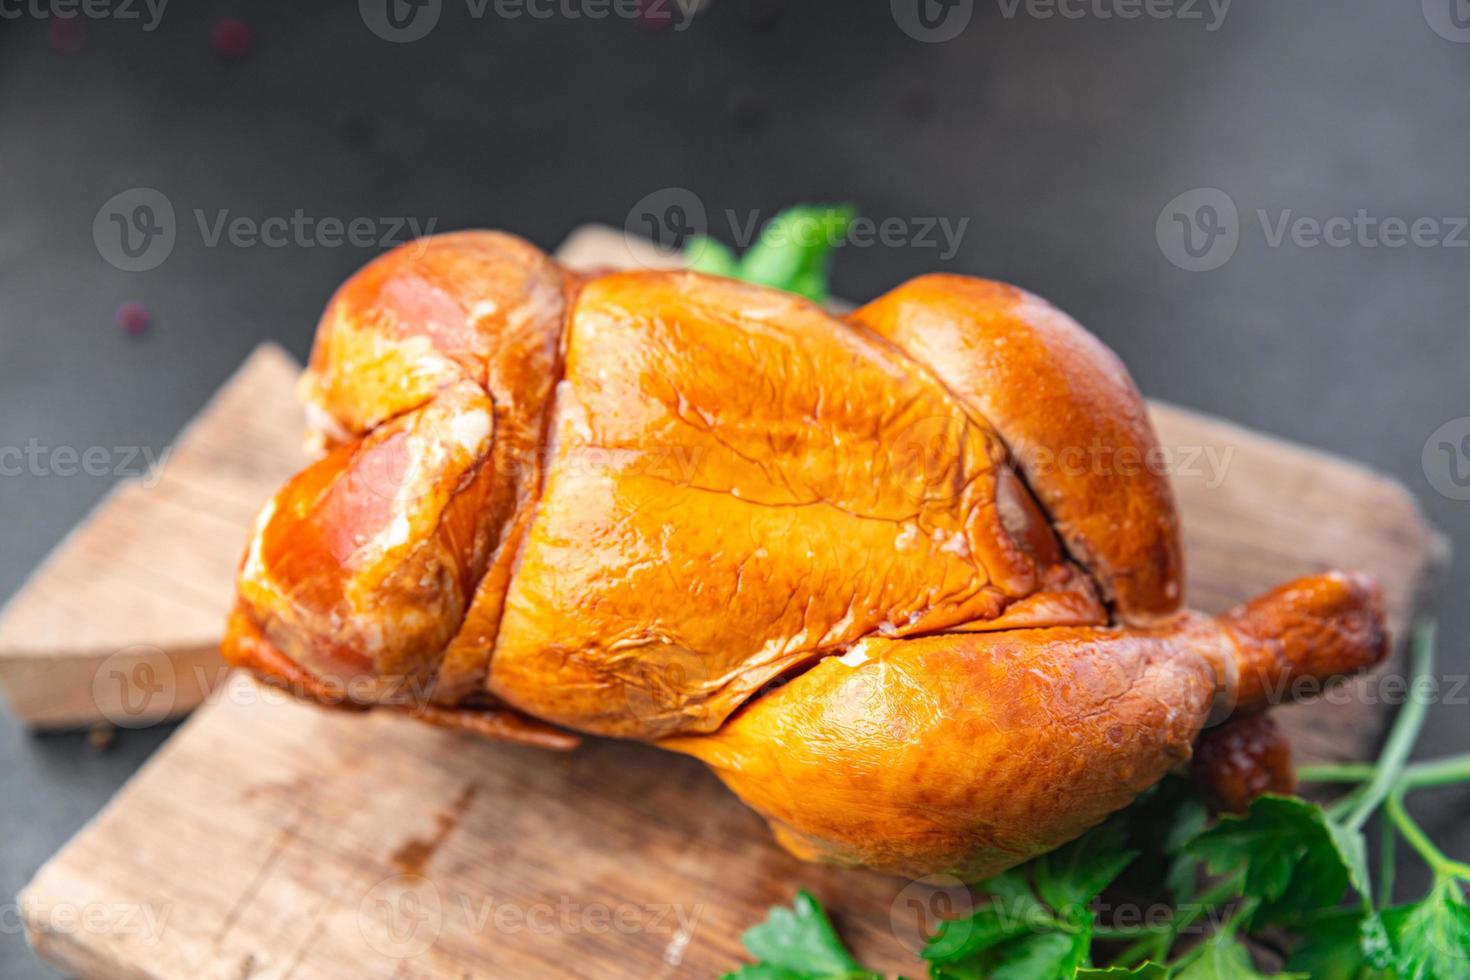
[[740, 483], [970, 754], [877, 572]]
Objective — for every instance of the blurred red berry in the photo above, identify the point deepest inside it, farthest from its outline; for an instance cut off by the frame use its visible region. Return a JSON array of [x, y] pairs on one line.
[[231, 38], [133, 317], [65, 34]]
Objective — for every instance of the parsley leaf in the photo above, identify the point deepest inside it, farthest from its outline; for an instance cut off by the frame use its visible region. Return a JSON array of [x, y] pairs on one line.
[[798, 943], [1431, 938], [959, 939], [1043, 956], [711, 256], [1072, 876], [1332, 946], [792, 253], [1224, 958], [1033, 934], [1032, 956], [1295, 858]]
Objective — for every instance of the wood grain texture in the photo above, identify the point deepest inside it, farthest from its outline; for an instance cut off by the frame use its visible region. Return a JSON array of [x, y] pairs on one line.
[[270, 839], [121, 624]]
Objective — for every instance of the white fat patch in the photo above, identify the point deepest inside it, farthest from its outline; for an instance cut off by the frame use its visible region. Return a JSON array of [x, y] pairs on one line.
[[320, 422], [952, 542], [855, 657], [760, 314], [839, 629], [425, 363], [398, 532], [904, 540], [254, 569], [417, 348], [573, 421], [483, 309], [369, 637], [471, 429], [770, 650]]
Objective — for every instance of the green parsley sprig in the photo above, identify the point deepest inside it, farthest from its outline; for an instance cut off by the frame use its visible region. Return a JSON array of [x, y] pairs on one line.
[[1290, 872], [799, 943], [792, 253]]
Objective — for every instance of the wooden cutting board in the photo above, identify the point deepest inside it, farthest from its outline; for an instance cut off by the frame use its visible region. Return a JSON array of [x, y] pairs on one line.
[[270, 839], [121, 624]]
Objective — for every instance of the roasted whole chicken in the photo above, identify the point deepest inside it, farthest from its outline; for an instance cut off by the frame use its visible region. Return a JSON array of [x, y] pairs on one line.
[[909, 581]]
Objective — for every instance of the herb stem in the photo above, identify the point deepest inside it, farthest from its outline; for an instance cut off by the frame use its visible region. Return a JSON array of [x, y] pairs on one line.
[[1386, 854], [1342, 772], [1440, 772], [1338, 808], [1439, 862], [1405, 731], [1420, 775]]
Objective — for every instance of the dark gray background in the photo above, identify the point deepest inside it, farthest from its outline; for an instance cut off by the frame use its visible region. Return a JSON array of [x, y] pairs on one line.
[[1060, 140]]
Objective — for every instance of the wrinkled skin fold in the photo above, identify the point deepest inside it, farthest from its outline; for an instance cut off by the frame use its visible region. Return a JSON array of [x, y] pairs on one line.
[[853, 565]]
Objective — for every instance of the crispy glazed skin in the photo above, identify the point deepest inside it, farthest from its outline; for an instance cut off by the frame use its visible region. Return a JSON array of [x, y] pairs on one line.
[[785, 478], [907, 582], [970, 754], [1070, 413]]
